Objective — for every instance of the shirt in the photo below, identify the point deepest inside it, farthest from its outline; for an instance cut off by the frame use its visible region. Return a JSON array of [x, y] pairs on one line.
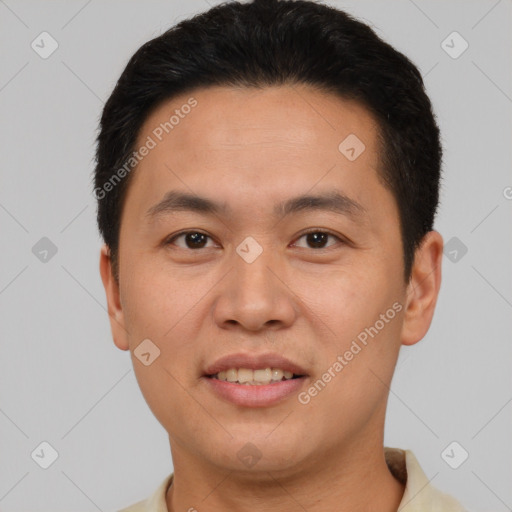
[[419, 494]]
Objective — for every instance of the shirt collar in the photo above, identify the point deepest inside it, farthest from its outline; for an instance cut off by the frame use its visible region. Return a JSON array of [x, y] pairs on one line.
[[419, 494]]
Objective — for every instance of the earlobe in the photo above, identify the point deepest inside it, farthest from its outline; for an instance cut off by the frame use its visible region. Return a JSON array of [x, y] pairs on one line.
[[423, 289], [115, 310]]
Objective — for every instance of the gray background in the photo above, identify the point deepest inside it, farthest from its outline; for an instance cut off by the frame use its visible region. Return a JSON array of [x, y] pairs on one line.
[[61, 378]]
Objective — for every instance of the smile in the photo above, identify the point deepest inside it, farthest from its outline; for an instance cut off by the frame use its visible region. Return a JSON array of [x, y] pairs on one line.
[[257, 377]]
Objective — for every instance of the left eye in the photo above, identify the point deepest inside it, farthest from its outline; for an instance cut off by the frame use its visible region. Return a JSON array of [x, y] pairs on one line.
[[318, 239]]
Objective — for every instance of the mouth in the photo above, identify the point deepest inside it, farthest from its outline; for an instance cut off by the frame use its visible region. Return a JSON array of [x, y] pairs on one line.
[[257, 377], [255, 387], [254, 380]]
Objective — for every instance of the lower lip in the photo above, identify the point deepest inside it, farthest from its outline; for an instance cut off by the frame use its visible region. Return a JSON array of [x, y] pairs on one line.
[[263, 395]]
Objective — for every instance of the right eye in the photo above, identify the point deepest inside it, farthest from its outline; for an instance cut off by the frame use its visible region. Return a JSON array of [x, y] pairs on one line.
[[191, 239]]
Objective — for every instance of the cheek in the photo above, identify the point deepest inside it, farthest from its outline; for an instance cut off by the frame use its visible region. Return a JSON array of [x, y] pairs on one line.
[[352, 384], [156, 310], [154, 300], [348, 298], [363, 310], [162, 388], [165, 307]]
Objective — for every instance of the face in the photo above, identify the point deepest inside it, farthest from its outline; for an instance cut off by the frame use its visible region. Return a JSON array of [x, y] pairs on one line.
[[291, 258]]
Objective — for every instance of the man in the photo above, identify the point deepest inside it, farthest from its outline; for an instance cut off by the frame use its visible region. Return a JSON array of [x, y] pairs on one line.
[[267, 180]]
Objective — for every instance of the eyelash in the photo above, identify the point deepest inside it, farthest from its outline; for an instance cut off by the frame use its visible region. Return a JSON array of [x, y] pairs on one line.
[[170, 240]]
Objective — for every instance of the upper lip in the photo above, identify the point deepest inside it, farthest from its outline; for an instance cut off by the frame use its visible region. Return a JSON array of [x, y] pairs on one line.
[[254, 362]]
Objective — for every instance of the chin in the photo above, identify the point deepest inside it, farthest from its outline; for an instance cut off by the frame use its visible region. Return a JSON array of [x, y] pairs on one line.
[[259, 452]]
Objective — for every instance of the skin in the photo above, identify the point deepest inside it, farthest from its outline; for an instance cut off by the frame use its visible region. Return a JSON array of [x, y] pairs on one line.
[[252, 149]]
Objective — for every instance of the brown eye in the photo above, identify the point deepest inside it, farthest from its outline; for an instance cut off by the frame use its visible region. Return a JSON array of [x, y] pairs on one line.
[[318, 239], [191, 239]]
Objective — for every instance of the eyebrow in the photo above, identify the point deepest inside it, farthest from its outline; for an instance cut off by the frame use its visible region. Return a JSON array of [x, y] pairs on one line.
[[332, 201]]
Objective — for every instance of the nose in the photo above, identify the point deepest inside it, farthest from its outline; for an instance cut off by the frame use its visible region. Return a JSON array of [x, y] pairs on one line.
[[255, 296]]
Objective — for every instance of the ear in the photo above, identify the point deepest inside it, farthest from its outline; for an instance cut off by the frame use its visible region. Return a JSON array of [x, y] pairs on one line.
[[423, 288], [115, 311]]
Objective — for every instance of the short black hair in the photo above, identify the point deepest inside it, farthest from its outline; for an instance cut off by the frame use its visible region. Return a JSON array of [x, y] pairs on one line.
[[265, 43]]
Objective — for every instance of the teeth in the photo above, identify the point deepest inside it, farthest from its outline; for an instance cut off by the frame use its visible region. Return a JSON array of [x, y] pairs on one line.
[[263, 376], [245, 375], [232, 375], [277, 374], [254, 377]]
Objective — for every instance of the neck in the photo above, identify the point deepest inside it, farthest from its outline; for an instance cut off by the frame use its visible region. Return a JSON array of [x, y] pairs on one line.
[[354, 479]]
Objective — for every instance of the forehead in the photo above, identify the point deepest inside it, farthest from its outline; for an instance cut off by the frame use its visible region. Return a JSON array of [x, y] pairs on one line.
[[232, 117], [275, 139]]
